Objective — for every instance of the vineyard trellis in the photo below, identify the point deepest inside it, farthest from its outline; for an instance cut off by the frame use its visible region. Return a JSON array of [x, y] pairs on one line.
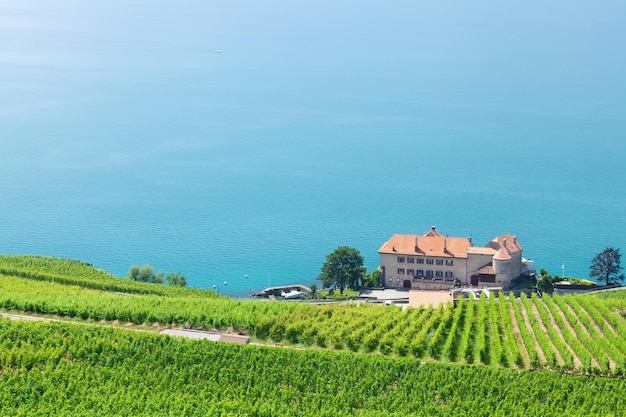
[[571, 333], [59, 369]]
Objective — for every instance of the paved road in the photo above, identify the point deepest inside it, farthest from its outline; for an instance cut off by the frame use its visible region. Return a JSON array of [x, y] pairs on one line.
[[192, 334], [189, 333], [29, 318]]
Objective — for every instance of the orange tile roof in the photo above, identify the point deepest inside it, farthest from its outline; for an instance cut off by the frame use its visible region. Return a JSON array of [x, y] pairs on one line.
[[433, 243], [456, 247], [505, 245], [502, 255], [479, 250], [487, 270]]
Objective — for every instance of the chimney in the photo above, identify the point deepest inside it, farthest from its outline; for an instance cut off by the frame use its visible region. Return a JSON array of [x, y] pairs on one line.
[[515, 240], [417, 249], [393, 248], [445, 244], [504, 243]]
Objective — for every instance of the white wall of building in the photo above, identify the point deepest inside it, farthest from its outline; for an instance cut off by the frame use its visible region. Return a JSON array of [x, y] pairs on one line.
[[399, 268]]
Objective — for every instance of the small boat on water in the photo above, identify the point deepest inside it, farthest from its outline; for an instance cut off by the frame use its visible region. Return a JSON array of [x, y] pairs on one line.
[[292, 295], [287, 292]]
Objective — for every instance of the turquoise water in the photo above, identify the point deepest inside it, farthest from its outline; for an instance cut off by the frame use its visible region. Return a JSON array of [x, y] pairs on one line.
[[126, 138]]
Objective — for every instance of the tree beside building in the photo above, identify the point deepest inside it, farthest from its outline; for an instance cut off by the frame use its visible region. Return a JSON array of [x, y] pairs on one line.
[[343, 269]]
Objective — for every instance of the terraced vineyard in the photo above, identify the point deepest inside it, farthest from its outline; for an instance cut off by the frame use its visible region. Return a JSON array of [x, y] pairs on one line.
[[572, 333], [59, 369]]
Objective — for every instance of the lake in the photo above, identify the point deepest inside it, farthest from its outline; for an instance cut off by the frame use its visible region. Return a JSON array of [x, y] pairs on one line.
[[242, 143]]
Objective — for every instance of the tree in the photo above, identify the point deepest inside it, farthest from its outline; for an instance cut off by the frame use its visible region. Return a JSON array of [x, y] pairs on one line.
[[343, 268], [373, 279], [159, 278], [146, 273], [176, 279], [545, 283], [313, 290], [133, 273], [606, 266]]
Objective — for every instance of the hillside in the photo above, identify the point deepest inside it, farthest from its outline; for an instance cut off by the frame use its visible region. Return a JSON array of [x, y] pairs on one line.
[[482, 347], [57, 369]]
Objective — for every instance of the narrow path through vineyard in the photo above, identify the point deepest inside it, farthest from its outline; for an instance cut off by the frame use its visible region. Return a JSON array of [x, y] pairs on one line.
[[497, 350], [612, 333], [518, 337], [592, 321], [576, 360], [540, 353], [569, 328], [594, 332], [504, 343], [543, 328]]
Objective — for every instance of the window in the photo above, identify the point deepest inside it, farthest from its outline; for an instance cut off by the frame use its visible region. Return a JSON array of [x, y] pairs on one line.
[[397, 279], [429, 261], [439, 274], [410, 260], [449, 274], [410, 271], [401, 259], [449, 262], [420, 260], [439, 261], [401, 271], [419, 273], [429, 274], [390, 279]]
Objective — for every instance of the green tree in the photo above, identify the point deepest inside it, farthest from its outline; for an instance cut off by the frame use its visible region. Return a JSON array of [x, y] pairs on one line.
[[343, 268], [545, 283], [313, 290], [159, 278], [373, 279], [146, 273], [606, 265], [176, 279], [133, 273]]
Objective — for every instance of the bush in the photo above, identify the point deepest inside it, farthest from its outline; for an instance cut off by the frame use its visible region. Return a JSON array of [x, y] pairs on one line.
[[277, 332]]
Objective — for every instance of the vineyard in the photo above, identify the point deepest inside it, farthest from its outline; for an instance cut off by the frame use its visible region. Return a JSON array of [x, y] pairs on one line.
[[71, 272], [471, 358], [580, 334], [60, 369]]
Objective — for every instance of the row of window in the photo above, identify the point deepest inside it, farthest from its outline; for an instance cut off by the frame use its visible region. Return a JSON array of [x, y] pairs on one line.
[[399, 279], [429, 261], [429, 274]]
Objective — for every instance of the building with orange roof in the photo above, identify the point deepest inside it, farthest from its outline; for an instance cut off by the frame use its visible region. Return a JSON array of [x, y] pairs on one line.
[[435, 261]]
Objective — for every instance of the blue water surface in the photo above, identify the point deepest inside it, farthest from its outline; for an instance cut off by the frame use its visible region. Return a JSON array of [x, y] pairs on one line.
[[240, 142]]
